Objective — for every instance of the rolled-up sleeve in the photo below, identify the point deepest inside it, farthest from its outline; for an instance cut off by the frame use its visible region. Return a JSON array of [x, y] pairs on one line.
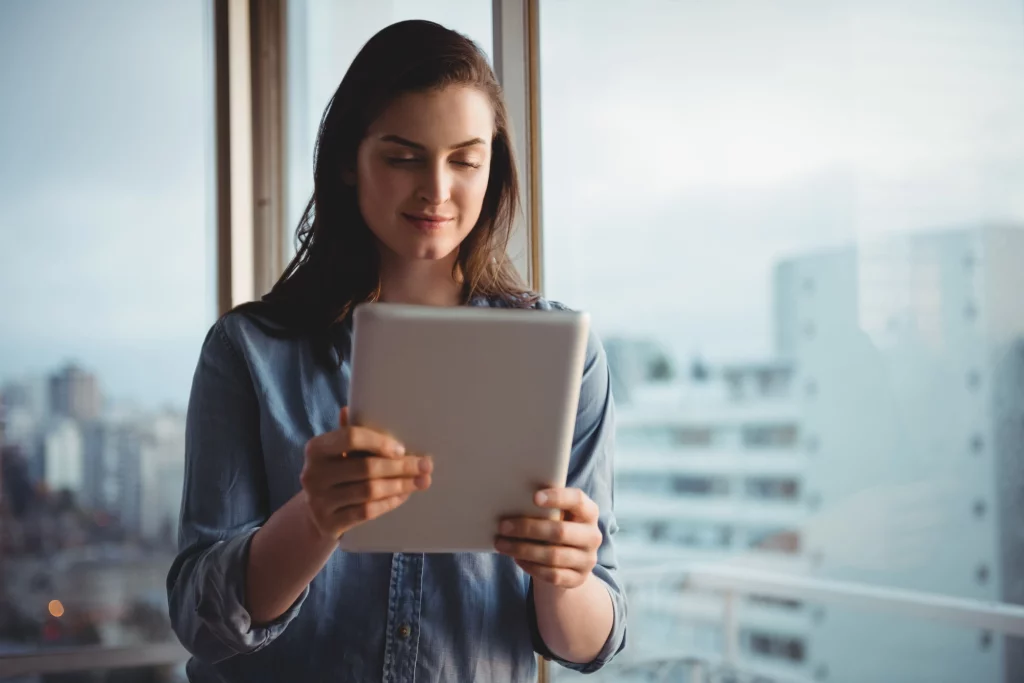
[[591, 468], [223, 505]]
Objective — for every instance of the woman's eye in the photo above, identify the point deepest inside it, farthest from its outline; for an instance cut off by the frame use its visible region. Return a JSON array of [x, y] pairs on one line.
[[402, 161], [466, 164]]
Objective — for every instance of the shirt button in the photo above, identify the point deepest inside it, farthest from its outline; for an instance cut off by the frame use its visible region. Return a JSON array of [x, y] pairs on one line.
[[404, 631]]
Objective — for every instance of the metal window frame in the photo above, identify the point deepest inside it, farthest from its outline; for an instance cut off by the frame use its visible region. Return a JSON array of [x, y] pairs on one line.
[[268, 50], [69, 660], [516, 59], [235, 211], [249, 38], [516, 25]]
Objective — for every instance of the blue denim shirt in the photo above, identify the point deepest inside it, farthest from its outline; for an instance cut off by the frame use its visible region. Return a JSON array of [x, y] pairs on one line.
[[395, 618]]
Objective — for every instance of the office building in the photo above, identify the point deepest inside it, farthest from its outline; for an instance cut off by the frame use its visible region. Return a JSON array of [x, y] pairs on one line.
[[910, 363], [75, 393], [889, 422], [63, 457]]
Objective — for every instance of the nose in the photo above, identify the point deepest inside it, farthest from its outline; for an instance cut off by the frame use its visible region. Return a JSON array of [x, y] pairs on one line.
[[436, 184]]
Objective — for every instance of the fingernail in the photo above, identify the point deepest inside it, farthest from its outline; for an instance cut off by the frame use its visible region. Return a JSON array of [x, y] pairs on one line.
[[506, 527], [426, 465], [398, 449], [541, 498], [421, 482]]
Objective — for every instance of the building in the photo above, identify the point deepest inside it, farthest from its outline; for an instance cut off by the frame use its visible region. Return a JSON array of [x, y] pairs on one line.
[[63, 457], [101, 440], [889, 423], [910, 381], [710, 468], [29, 395], [75, 393], [162, 475], [634, 362]]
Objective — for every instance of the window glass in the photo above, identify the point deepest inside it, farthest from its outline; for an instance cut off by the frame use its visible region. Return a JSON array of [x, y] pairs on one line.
[[107, 268], [799, 228]]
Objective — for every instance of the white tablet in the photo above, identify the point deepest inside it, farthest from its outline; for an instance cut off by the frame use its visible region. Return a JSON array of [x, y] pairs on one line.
[[491, 394]]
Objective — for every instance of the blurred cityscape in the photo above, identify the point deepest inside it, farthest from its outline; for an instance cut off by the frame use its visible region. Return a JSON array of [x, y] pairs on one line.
[[889, 420], [89, 498]]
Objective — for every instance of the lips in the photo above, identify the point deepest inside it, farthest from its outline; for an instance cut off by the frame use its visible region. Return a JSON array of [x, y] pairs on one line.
[[426, 222]]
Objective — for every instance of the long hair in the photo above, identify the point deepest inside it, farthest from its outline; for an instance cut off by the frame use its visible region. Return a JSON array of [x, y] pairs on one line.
[[337, 263]]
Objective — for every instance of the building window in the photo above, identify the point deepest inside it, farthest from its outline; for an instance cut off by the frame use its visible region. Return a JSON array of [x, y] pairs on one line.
[[783, 541], [772, 488], [768, 645], [691, 436], [692, 535], [769, 436], [774, 602], [700, 486]]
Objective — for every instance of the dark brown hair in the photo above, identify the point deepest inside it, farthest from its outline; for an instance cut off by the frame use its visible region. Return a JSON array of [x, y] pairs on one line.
[[336, 266]]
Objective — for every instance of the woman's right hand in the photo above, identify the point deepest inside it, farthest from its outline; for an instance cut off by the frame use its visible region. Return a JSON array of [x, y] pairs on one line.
[[355, 474]]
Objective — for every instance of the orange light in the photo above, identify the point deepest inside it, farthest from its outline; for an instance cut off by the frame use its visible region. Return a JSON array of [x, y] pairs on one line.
[[56, 609]]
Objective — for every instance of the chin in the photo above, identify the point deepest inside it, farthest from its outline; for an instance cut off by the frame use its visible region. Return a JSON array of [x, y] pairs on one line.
[[434, 253], [426, 250]]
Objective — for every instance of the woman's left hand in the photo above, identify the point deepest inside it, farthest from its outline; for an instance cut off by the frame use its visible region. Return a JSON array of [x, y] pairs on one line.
[[559, 552]]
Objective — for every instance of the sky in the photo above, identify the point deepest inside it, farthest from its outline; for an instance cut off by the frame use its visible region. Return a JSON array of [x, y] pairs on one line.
[[686, 147], [689, 146], [105, 191]]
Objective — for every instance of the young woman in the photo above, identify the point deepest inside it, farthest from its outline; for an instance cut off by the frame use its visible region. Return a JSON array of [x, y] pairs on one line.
[[415, 193]]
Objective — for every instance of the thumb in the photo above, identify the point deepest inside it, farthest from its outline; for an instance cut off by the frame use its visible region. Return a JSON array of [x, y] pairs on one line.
[[343, 417]]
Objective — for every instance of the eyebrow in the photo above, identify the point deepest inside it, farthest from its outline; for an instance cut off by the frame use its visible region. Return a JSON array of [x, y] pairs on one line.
[[415, 145]]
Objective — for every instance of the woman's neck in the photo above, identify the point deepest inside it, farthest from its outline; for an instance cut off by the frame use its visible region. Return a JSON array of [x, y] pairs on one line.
[[428, 283]]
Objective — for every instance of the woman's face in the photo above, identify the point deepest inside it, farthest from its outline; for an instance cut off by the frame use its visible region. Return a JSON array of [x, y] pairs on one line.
[[422, 170]]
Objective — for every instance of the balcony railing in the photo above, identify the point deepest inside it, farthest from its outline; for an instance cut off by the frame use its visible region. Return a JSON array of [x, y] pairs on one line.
[[734, 583], [731, 582]]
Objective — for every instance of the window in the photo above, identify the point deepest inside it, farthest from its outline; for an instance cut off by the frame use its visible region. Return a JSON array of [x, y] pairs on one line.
[[106, 256], [775, 646], [673, 485], [692, 436], [775, 603], [771, 488], [817, 205], [769, 436], [683, 535], [784, 541], [700, 486]]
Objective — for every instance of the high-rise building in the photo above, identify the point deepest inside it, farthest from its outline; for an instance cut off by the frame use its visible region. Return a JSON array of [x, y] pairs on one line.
[[100, 488], [710, 468], [162, 474], [26, 411], [150, 456], [29, 395], [884, 445], [75, 393], [910, 381], [63, 456]]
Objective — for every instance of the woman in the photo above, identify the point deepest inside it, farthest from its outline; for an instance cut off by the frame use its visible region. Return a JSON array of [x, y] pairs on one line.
[[415, 193]]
